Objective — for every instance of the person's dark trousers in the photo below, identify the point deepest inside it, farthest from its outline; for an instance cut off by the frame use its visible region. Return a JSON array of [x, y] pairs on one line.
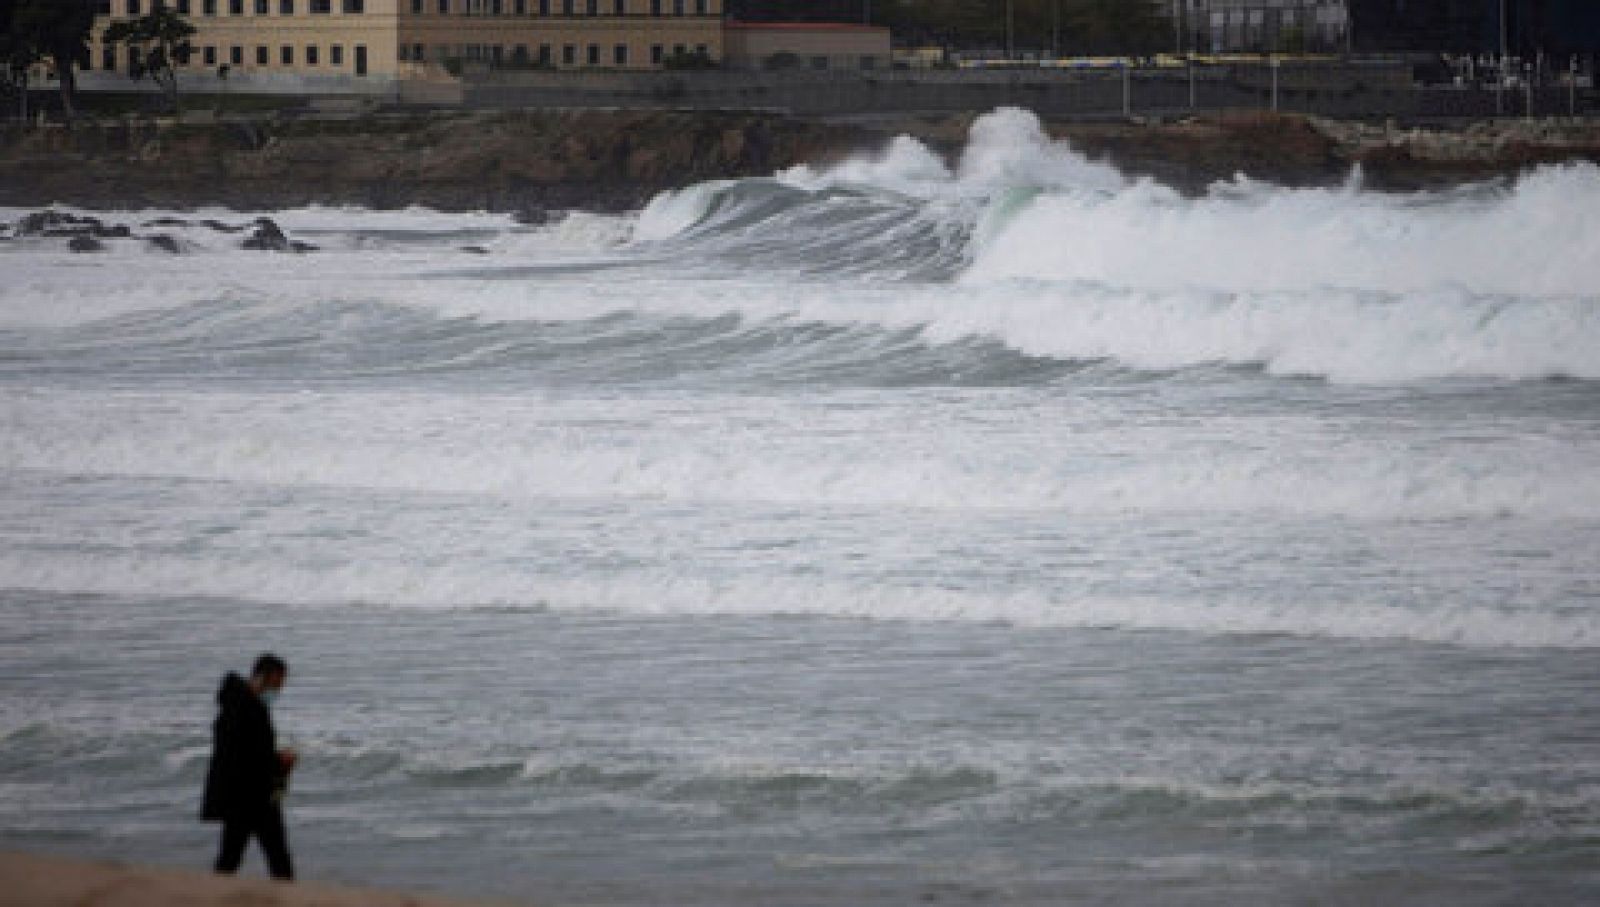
[[265, 826]]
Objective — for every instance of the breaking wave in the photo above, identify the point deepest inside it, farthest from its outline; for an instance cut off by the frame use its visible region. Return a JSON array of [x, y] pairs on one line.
[[1019, 260]]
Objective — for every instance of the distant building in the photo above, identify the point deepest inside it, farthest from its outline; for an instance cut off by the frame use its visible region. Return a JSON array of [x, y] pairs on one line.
[[806, 45], [357, 45], [1262, 26], [1555, 27], [801, 10]]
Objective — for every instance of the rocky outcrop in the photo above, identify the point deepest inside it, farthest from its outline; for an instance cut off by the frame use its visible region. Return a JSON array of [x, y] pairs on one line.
[[1393, 157], [528, 162], [90, 234], [532, 162]]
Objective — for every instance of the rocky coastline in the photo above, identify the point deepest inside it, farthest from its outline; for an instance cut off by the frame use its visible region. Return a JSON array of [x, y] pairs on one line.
[[536, 162]]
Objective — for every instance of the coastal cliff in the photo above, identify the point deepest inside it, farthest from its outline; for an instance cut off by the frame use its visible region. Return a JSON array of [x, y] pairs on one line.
[[534, 161]]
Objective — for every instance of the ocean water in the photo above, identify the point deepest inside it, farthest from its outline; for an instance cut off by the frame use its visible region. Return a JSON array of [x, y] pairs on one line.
[[997, 531]]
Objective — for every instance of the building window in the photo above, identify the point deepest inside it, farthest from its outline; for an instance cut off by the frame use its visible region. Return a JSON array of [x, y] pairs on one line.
[[209, 54], [592, 7], [520, 55], [569, 55], [657, 54], [286, 55], [544, 7], [261, 55], [183, 6], [336, 55], [619, 55], [593, 56], [312, 55], [567, 7], [235, 7], [236, 55], [263, 7], [522, 7], [619, 8], [355, 7], [208, 7], [286, 7], [416, 7], [133, 8], [134, 60], [321, 7], [108, 59], [677, 7], [544, 55], [102, 7], [655, 7], [700, 7]]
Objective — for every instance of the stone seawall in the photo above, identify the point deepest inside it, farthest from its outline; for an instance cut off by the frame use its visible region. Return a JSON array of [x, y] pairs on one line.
[[533, 161]]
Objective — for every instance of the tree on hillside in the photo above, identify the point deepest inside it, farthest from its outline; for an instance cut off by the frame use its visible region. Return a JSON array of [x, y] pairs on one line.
[[1034, 26], [161, 38], [58, 31], [1120, 26], [17, 57]]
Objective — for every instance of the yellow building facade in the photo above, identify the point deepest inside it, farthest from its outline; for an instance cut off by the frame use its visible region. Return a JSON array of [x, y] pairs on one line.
[[390, 40]]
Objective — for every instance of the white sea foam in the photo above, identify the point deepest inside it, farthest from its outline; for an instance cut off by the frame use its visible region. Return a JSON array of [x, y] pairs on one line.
[[521, 448], [1539, 238], [1007, 148], [393, 583], [1065, 260], [674, 211]]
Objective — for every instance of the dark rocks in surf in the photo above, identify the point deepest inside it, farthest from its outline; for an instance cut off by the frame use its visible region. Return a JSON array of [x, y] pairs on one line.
[[221, 227], [475, 250], [161, 242], [37, 223], [60, 225], [269, 237], [534, 216], [86, 244]]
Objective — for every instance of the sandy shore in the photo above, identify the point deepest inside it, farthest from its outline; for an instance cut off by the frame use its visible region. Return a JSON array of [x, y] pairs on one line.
[[35, 881]]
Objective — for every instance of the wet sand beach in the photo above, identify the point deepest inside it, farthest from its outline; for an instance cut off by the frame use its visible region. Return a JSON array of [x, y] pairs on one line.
[[41, 881]]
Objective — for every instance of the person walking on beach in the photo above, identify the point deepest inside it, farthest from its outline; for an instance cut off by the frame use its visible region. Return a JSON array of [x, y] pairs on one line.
[[248, 773]]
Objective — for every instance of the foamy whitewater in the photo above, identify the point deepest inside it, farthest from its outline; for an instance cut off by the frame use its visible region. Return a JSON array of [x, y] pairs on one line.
[[999, 530]]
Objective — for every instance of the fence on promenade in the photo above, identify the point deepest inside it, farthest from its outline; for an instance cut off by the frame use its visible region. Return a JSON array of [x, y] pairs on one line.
[[1344, 90]]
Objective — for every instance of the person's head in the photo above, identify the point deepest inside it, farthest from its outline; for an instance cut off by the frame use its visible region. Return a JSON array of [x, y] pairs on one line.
[[267, 677]]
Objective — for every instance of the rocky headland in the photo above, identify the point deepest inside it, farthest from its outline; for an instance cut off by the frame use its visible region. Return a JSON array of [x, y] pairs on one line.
[[532, 162]]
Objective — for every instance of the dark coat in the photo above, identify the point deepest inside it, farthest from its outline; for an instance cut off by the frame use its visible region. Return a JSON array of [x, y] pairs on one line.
[[245, 774]]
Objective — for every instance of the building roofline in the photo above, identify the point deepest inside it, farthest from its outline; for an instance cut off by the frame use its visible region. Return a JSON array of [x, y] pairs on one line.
[[803, 26]]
